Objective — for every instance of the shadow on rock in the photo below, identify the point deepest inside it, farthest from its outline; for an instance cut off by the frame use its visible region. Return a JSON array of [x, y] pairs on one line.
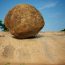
[[33, 37]]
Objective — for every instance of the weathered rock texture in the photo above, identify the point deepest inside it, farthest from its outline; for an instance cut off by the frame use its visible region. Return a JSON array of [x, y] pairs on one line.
[[45, 49], [24, 21]]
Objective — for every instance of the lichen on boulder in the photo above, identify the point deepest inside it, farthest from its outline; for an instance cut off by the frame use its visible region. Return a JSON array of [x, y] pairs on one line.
[[24, 21]]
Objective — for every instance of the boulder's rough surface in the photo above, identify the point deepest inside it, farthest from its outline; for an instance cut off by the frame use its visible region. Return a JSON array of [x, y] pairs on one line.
[[24, 21]]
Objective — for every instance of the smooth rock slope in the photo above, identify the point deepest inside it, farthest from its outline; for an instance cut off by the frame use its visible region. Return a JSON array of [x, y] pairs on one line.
[[46, 48]]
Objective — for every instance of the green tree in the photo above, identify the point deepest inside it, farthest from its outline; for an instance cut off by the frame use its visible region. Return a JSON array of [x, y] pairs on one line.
[[2, 26], [63, 30]]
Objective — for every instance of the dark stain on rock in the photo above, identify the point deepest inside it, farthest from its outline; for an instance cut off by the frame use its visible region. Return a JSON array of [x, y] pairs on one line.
[[8, 51], [2, 35]]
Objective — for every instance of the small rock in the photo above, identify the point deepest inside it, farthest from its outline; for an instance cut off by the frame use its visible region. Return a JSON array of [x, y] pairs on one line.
[[24, 21]]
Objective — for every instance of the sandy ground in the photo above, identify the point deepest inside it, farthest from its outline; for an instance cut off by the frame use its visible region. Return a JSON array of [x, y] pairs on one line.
[[46, 48]]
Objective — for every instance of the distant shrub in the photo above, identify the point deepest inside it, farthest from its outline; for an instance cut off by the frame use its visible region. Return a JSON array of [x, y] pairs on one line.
[[5, 29], [63, 30], [2, 26]]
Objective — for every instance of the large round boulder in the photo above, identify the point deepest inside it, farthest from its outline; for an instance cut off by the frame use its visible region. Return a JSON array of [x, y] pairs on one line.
[[24, 21]]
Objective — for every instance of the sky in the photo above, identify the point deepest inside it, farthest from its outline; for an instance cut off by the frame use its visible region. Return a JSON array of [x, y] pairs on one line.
[[53, 11]]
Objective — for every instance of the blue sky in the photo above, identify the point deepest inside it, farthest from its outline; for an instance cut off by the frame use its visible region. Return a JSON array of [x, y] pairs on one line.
[[53, 11]]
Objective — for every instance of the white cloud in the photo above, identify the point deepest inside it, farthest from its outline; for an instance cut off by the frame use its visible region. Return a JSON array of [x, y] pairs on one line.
[[49, 5], [55, 15]]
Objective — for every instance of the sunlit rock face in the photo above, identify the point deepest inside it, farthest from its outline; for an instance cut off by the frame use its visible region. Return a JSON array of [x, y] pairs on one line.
[[24, 21]]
